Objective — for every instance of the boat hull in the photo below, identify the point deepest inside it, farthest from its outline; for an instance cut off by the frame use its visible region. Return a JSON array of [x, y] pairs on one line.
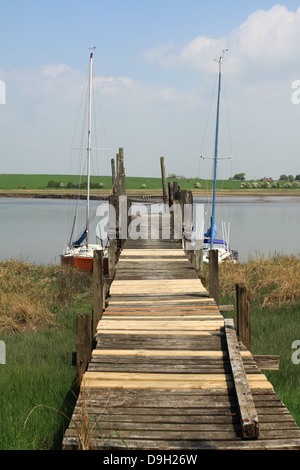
[[83, 263]]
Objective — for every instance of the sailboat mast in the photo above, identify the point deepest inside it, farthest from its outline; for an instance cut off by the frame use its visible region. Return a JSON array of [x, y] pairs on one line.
[[216, 156], [89, 149]]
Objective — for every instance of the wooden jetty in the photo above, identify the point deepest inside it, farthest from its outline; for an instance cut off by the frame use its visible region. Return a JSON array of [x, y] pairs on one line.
[[167, 371]]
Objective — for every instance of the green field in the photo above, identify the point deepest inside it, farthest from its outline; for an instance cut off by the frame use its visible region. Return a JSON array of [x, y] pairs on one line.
[[40, 182], [9, 182]]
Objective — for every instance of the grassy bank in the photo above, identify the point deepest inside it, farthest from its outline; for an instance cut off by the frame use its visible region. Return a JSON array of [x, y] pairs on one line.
[[37, 324]]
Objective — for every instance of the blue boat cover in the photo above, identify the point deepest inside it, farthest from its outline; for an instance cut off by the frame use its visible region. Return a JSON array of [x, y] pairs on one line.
[[80, 240]]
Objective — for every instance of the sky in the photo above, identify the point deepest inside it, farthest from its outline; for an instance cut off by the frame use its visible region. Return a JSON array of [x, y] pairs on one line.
[[155, 69]]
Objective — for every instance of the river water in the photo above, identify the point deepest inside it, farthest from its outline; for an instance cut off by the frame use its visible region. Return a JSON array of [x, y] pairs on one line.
[[36, 230]]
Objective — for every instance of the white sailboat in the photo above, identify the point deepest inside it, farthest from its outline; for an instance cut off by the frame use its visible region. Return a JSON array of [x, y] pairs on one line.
[[210, 236], [80, 253]]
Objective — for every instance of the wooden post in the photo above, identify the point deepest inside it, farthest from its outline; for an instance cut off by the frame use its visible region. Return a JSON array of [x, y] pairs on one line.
[[113, 174], [199, 258], [121, 171], [170, 187], [175, 190], [243, 309], [98, 288], [112, 249], [214, 275], [163, 178], [83, 344]]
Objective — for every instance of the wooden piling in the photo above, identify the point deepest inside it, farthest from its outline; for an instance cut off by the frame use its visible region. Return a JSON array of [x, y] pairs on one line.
[[113, 174], [83, 344], [214, 275], [163, 178], [171, 196], [98, 288], [198, 260], [112, 253], [243, 308]]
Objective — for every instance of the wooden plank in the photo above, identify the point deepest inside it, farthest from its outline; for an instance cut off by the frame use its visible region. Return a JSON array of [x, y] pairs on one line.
[[267, 362], [248, 414], [149, 353], [169, 381]]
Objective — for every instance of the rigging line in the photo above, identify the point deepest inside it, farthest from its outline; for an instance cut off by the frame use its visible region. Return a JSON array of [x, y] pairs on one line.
[[100, 108], [71, 171], [227, 114], [208, 114]]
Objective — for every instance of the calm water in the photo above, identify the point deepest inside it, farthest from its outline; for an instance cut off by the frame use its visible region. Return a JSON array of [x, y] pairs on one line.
[[37, 230]]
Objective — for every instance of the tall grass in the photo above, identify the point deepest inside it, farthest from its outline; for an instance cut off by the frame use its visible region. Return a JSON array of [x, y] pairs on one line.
[[38, 317]]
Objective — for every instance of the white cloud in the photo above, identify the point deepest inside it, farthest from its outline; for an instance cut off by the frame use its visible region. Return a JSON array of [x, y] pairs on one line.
[[268, 41], [54, 70]]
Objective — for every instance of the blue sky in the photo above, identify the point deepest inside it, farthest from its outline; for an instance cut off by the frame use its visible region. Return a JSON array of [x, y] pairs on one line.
[[155, 78]]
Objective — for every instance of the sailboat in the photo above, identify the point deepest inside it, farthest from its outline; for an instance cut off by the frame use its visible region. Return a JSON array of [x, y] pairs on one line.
[[210, 241], [80, 253]]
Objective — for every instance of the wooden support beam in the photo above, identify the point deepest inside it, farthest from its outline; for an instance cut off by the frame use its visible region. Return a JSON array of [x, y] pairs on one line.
[[248, 414]]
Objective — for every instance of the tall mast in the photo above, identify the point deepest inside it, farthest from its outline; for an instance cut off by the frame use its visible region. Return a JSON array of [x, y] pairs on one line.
[[89, 149], [216, 157]]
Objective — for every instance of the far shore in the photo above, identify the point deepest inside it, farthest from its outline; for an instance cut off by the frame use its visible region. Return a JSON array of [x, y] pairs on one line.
[[151, 193]]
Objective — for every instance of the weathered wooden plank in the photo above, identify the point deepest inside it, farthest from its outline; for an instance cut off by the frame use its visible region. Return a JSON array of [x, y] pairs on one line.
[[242, 383], [267, 362]]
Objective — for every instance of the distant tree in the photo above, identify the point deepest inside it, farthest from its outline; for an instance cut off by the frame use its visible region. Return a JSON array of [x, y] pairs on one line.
[[283, 178], [239, 176], [291, 178], [53, 184], [297, 177]]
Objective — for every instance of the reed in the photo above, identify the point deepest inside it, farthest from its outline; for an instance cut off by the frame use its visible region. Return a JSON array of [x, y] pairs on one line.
[[271, 281]]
